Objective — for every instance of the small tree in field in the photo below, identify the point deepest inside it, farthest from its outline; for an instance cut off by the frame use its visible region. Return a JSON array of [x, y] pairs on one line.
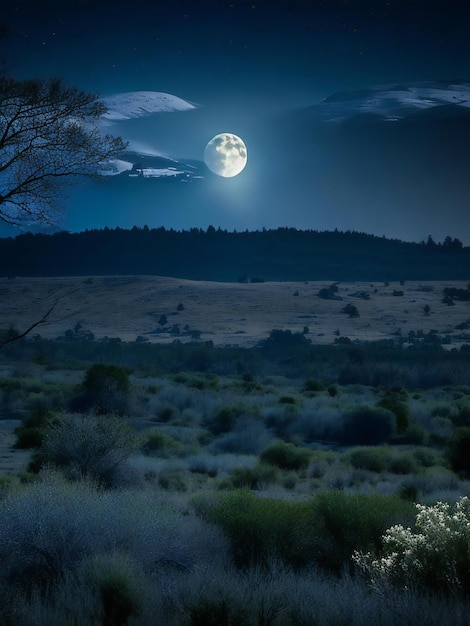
[[106, 389], [351, 310], [49, 134]]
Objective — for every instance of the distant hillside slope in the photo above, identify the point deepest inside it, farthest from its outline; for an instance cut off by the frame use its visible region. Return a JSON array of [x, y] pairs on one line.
[[282, 254]]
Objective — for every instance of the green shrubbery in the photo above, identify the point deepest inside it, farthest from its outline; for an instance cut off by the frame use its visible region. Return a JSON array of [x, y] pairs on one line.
[[383, 459], [105, 389], [313, 385], [103, 546], [280, 341], [459, 451], [159, 442], [224, 419], [286, 455], [30, 433], [116, 579], [324, 530], [256, 477], [368, 426], [345, 521], [394, 402]]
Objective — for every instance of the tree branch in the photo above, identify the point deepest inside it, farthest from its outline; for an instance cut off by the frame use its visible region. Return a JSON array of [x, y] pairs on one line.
[[28, 330]]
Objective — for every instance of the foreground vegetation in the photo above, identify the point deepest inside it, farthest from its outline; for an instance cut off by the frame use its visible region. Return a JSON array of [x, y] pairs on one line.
[[288, 484]]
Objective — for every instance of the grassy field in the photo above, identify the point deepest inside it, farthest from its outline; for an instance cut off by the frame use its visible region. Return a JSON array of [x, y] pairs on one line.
[[228, 313]]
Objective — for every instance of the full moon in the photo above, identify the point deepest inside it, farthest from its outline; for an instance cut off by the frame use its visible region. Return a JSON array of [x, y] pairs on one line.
[[225, 155]]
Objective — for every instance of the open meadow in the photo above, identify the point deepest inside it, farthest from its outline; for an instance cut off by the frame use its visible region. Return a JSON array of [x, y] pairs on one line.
[[231, 313], [186, 453]]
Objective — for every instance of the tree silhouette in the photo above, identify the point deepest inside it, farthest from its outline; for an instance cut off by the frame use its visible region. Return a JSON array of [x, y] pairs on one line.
[[351, 310], [49, 134]]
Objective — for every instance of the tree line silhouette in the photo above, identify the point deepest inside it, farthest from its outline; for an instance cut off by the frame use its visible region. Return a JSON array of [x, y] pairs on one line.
[[216, 254]]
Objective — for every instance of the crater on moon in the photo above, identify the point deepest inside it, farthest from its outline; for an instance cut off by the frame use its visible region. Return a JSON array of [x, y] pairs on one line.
[[225, 155]]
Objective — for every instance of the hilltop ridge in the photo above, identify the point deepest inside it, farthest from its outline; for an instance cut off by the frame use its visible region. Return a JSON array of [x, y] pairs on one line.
[[215, 254]]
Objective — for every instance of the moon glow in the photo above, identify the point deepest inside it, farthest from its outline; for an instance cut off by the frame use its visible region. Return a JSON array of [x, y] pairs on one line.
[[225, 155]]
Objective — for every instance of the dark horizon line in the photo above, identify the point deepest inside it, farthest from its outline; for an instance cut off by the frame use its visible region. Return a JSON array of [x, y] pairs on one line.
[[428, 240]]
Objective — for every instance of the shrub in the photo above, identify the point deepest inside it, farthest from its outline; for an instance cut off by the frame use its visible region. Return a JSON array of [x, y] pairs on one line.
[[382, 459], [329, 293], [259, 528], [459, 451], [249, 436], [393, 403], [282, 340], [416, 434], [427, 457], [167, 413], [462, 418], [172, 480], [434, 556], [31, 432], [101, 376], [116, 579], [345, 521], [457, 294], [409, 492], [402, 463], [287, 400], [208, 612], [313, 385], [158, 441], [105, 389], [257, 477], [224, 420], [49, 528], [88, 446], [324, 530], [368, 426], [351, 310], [372, 459], [287, 456], [332, 390], [280, 419]]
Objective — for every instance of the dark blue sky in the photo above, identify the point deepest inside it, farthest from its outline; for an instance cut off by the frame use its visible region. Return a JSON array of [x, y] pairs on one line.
[[280, 52], [243, 62]]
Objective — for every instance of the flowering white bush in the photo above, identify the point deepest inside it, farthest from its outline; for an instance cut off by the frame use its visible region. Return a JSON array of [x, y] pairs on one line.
[[434, 555]]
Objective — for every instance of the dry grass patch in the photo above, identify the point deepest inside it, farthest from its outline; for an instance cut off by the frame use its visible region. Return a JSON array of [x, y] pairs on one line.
[[227, 313]]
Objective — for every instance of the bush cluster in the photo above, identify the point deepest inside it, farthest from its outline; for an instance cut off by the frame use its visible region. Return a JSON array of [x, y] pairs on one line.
[[324, 530], [383, 459], [105, 389], [286, 456], [434, 555], [368, 426]]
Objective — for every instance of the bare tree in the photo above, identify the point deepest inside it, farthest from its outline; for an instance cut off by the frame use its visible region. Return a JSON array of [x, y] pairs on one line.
[[49, 134]]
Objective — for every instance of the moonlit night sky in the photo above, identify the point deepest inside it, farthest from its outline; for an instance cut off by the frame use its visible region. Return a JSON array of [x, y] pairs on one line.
[[258, 69]]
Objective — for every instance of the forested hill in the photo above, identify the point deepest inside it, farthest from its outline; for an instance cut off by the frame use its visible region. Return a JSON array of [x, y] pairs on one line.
[[282, 254]]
